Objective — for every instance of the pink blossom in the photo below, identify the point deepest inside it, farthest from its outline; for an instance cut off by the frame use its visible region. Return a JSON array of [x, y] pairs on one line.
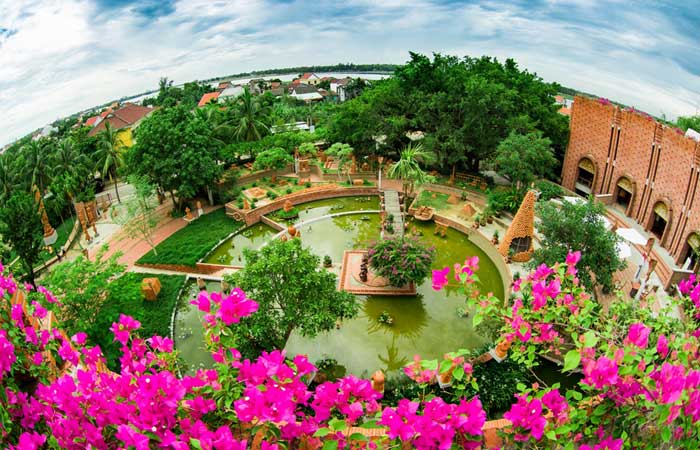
[[122, 329], [79, 338], [557, 404], [202, 302], [600, 373], [662, 346], [527, 419], [39, 311], [440, 278], [638, 335], [30, 441], [7, 353], [235, 306]]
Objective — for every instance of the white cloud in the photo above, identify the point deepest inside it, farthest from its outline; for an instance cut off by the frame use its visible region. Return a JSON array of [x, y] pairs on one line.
[[69, 55]]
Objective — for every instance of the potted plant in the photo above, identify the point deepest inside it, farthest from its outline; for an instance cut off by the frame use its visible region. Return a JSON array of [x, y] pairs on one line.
[[389, 228], [494, 238], [477, 221], [327, 261]]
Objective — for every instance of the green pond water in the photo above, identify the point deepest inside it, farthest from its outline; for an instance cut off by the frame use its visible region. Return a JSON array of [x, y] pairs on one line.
[[189, 332], [321, 208], [230, 252]]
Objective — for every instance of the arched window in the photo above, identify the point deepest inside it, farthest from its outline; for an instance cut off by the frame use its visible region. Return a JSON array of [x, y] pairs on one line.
[[585, 177], [624, 190], [691, 253], [659, 219], [520, 244]]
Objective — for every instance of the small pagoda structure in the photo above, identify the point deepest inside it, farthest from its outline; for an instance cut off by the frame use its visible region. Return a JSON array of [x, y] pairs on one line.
[[517, 243]]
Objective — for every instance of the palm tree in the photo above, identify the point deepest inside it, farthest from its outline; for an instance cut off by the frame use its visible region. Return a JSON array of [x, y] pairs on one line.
[[8, 177], [252, 124], [109, 155], [36, 169], [67, 159], [408, 170]]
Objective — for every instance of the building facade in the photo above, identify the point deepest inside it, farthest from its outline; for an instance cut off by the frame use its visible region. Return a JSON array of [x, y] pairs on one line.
[[649, 171]]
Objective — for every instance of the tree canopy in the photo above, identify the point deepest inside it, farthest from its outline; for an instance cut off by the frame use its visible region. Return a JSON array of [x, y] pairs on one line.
[[293, 293], [578, 227], [176, 152], [524, 157], [20, 226]]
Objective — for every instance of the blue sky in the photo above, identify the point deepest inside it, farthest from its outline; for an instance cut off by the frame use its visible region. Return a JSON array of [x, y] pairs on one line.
[[58, 57]]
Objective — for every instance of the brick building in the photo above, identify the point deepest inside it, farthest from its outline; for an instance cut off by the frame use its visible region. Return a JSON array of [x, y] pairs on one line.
[[647, 170]]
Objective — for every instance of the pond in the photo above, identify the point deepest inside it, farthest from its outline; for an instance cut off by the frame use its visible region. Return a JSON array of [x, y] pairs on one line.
[[230, 252], [428, 324]]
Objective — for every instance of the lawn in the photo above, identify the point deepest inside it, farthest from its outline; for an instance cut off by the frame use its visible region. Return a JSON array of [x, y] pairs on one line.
[[426, 199], [125, 298], [190, 244]]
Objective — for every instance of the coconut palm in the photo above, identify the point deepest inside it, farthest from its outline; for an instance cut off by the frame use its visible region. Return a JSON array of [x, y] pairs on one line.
[[109, 155], [252, 124], [408, 170], [8, 177], [36, 163], [67, 159]]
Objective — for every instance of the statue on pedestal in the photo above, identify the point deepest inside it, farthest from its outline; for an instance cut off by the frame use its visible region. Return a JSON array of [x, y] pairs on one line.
[[200, 210], [188, 214], [50, 235]]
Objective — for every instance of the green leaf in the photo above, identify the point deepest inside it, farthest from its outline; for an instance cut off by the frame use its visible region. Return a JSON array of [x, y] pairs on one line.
[[551, 435], [478, 318], [590, 339], [520, 387], [321, 432], [370, 424], [458, 374], [358, 437], [337, 424], [195, 443], [571, 360], [666, 434], [445, 365], [330, 445]]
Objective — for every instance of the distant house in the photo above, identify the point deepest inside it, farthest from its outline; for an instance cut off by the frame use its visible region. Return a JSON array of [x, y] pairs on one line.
[[258, 85], [208, 98], [125, 120], [565, 103], [309, 78], [306, 93], [223, 85], [230, 92], [44, 132], [338, 87]]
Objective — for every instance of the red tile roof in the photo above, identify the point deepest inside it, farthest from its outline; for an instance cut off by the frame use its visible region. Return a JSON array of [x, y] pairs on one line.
[[223, 85], [206, 98], [565, 111], [124, 117], [559, 99], [91, 121], [307, 75]]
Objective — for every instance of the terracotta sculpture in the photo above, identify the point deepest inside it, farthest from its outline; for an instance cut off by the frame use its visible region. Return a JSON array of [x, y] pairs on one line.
[[246, 204], [378, 381], [288, 206], [200, 210], [188, 214]]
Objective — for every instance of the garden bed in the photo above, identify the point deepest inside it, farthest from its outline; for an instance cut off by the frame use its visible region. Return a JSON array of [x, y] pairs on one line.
[[190, 244], [436, 200]]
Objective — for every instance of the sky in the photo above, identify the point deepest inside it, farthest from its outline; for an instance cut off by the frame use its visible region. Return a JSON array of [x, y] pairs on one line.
[[63, 56]]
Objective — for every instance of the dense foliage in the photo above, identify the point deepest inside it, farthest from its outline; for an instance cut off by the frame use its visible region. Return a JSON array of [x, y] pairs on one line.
[[175, 150], [293, 293], [464, 107], [685, 122], [190, 244], [20, 226], [273, 158], [401, 260], [578, 227], [524, 157]]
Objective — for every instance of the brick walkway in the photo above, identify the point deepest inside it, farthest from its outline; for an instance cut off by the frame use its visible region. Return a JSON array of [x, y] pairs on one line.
[[133, 248]]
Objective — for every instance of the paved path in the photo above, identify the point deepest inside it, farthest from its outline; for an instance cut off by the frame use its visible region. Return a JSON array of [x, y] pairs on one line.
[[392, 206]]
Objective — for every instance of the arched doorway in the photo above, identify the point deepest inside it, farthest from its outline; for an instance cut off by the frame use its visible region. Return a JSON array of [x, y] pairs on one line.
[[585, 177], [691, 253], [660, 217], [624, 193]]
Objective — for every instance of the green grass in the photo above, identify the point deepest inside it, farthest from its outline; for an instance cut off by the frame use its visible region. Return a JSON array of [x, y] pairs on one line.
[[426, 199], [125, 298], [190, 244]]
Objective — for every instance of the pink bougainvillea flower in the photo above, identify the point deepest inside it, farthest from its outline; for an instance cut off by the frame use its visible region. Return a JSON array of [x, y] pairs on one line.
[[39, 311], [662, 346], [557, 404], [600, 373], [440, 278], [235, 306], [79, 338], [638, 335], [122, 329], [7, 353], [202, 302], [527, 419], [30, 441], [161, 344]]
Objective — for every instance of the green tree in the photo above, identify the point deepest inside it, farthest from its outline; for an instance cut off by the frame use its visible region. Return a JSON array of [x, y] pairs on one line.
[[578, 227], [685, 122], [138, 218], [273, 158], [109, 157], [293, 293], [524, 157], [408, 170], [20, 226], [343, 154], [79, 286], [36, 170], [253, 117], [175, 151], [307, 149]]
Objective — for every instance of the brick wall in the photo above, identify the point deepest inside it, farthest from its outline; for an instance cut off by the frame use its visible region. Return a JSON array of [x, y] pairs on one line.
[[661, 164]]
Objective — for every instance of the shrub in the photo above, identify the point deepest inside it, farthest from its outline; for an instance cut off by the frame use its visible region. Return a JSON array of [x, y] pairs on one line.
[[307, 184], [327, 261], [504, 200], [401, 261], [289, 190], [548, 190], [254, 184]]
